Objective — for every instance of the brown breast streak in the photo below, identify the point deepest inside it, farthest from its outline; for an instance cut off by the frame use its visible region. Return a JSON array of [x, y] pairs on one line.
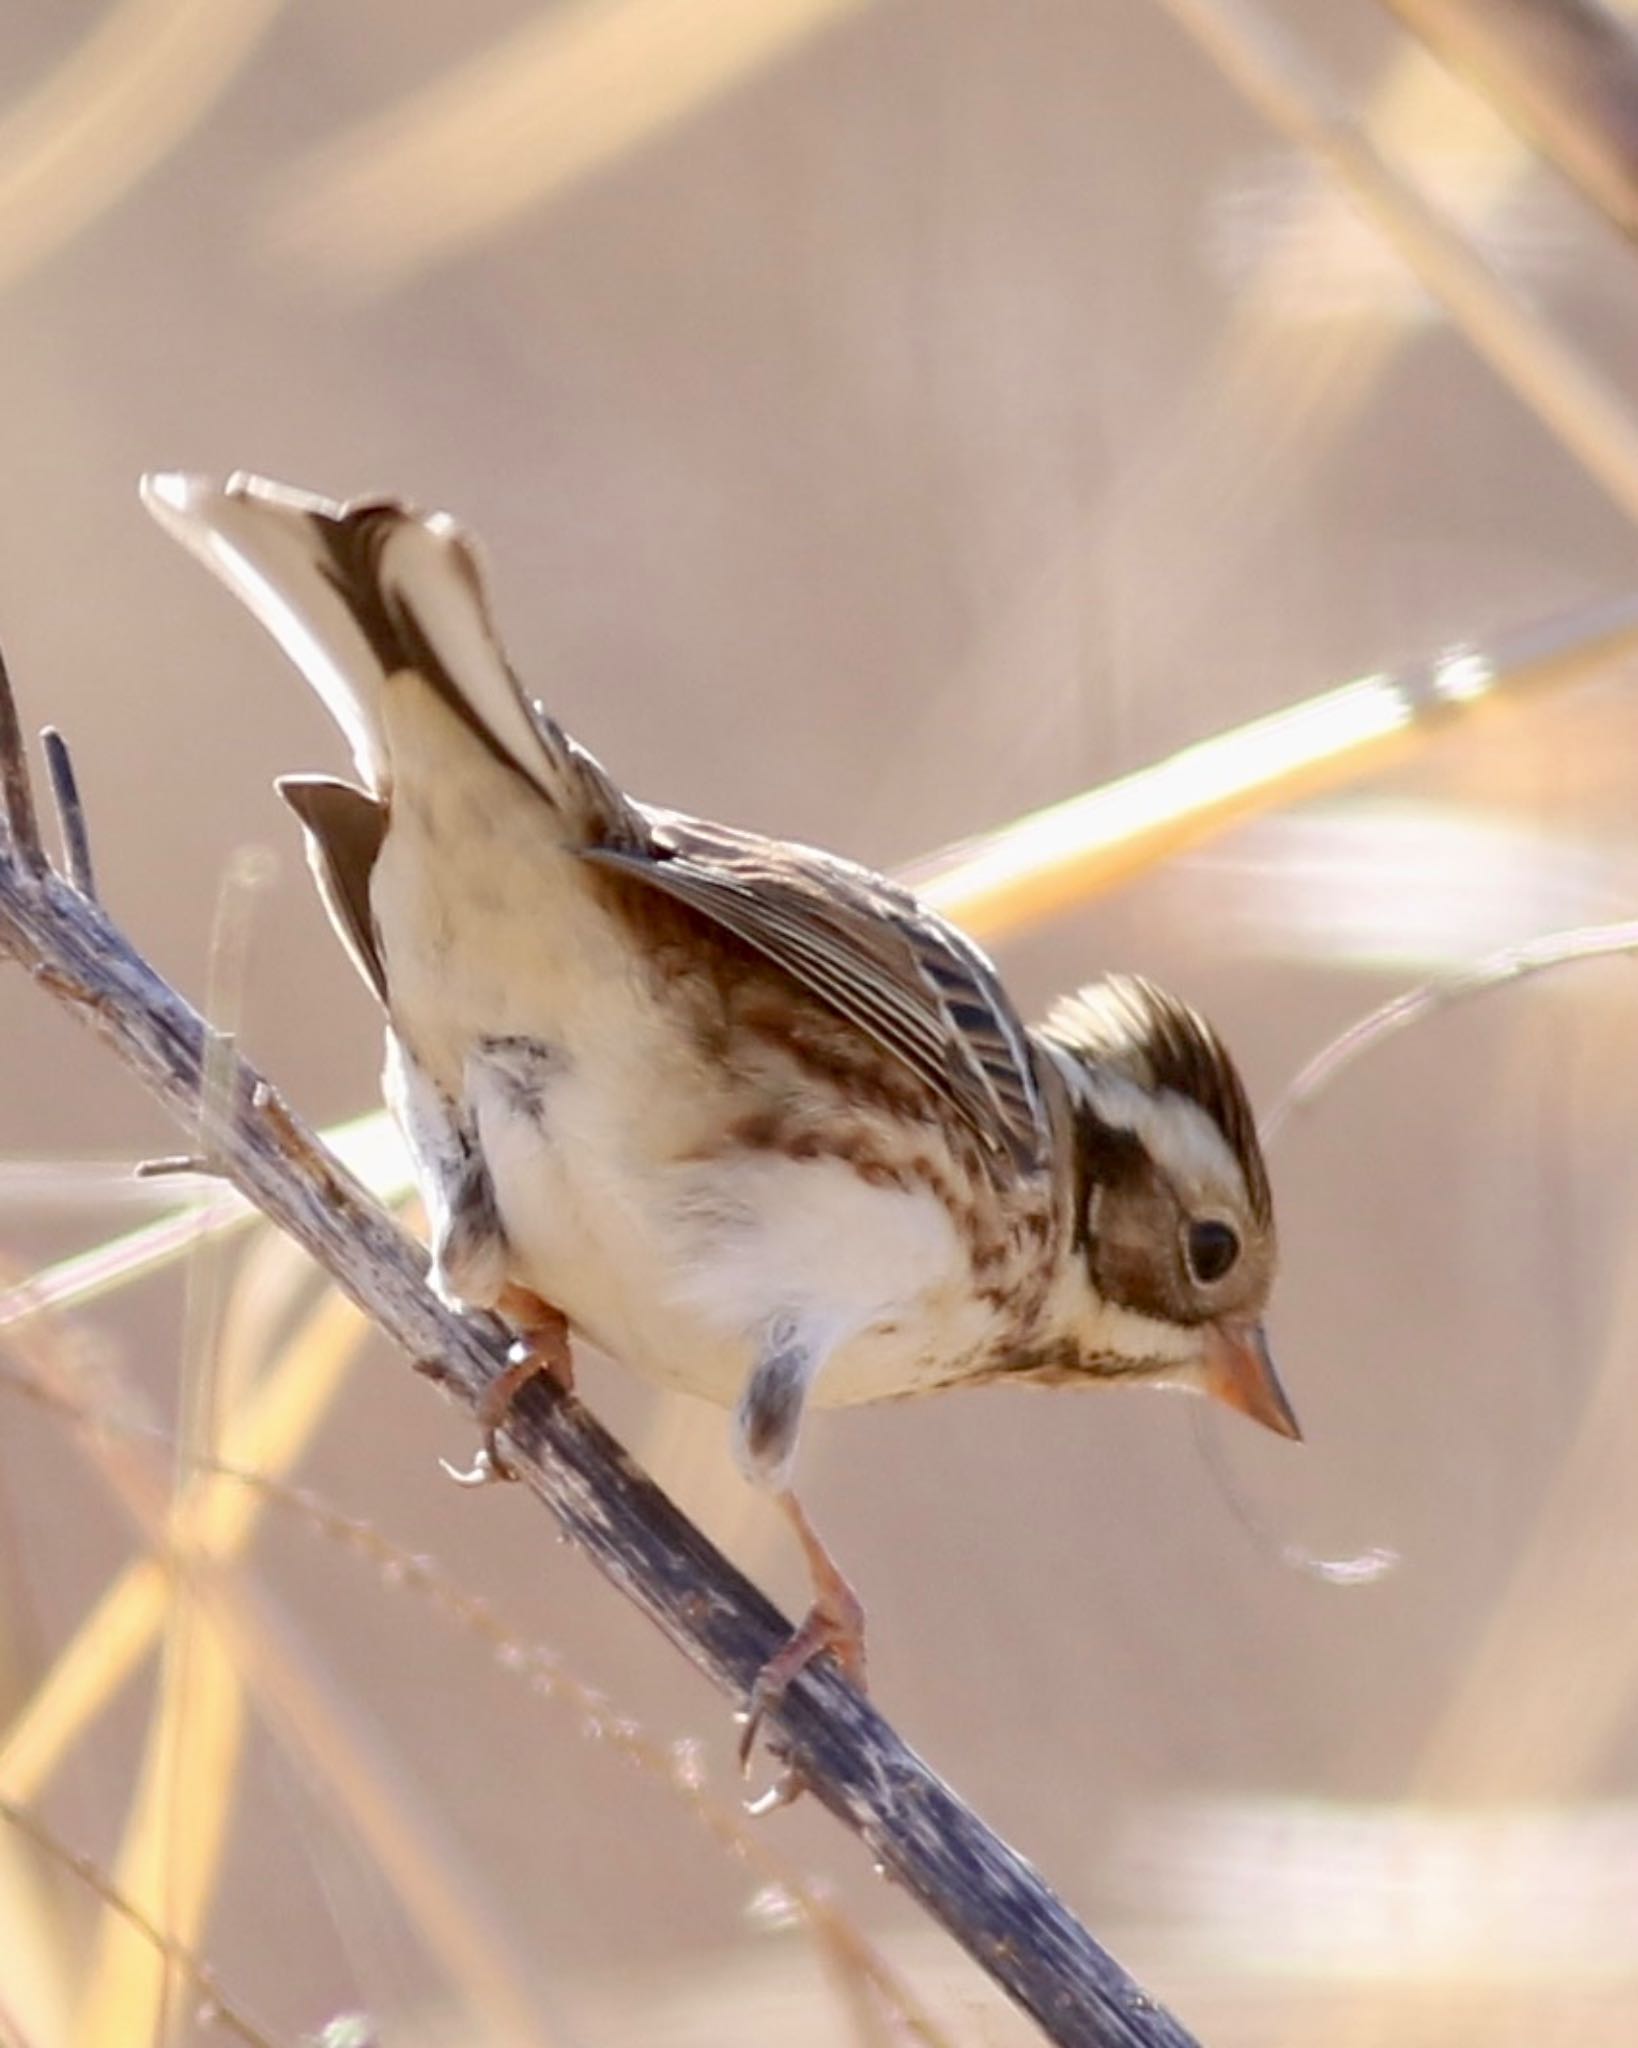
[[815, 1087], [1058, 1362], [822, 1093]]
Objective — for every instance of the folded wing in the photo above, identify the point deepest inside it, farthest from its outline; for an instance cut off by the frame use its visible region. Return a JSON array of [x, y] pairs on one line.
[[873, 954]]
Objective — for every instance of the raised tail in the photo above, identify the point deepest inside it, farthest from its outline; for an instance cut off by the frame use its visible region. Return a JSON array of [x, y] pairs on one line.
[[359, 592]]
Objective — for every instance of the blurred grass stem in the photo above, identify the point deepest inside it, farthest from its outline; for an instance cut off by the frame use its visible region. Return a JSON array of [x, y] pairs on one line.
[[1588, 415], [1563, 72]]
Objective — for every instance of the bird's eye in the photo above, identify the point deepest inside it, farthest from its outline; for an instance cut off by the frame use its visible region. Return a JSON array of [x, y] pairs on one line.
[[1213, 1248]]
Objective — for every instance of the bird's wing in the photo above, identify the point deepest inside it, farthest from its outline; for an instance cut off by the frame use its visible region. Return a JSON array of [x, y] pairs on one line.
[[344, 828], [871, 953]]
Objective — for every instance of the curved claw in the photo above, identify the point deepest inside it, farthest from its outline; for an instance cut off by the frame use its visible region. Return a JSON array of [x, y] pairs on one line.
[[541, 1351], [785, 1790], [833, 1626], [835, 1623], [486, 1469]]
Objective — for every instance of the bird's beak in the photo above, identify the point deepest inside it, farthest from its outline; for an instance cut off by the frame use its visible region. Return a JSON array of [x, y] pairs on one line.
[[1240, 1373]]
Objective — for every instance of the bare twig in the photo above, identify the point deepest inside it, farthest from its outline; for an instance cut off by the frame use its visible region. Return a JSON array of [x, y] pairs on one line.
[[65, 791], [17, 816], [977, 1887], [176, 1166]]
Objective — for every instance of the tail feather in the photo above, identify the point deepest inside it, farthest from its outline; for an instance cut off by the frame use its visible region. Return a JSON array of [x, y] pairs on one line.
[[354, 594]]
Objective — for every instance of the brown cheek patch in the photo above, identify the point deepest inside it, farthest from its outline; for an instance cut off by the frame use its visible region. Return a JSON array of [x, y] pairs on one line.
[[1132, 1278], [1134, 1258]]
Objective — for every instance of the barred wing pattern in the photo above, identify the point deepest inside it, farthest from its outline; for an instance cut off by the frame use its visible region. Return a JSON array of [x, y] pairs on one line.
[[872, 953]]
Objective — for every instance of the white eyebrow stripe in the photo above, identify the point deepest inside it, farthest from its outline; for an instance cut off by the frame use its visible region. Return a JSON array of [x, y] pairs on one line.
[[1176, 1133]]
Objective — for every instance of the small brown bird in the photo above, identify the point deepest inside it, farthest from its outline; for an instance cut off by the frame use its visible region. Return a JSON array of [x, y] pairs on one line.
[[751, 1118]]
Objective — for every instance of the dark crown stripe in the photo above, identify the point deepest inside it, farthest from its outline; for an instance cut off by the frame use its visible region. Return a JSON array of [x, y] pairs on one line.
[[1187, 1056], [1127, 1020]]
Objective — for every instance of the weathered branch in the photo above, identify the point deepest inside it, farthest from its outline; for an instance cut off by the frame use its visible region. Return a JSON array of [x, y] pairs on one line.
[[65, 792], [984, 1894]]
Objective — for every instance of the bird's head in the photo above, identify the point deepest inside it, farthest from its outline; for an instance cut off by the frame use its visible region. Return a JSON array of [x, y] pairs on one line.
[[1172, 1243]]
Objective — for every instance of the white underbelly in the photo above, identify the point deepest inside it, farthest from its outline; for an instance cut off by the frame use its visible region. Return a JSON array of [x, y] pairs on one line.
[[676, 1268]]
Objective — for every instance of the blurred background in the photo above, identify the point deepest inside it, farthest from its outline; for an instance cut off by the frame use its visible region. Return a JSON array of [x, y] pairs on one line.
[[882, 420]]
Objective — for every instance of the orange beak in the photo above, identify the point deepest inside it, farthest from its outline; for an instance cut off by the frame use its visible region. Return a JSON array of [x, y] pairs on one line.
[[1240, 1374]]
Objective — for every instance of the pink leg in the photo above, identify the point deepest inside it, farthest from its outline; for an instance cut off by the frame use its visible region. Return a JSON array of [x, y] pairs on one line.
[[542, 1349], [834, 1623]]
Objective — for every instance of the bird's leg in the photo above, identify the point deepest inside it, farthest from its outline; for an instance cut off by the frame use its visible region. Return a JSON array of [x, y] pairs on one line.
[[767, 1422], [469, 1247], [541, 1350], [834, 1623]]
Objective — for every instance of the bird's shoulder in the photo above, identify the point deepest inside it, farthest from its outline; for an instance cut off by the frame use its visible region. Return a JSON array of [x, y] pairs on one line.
[[890, 969]]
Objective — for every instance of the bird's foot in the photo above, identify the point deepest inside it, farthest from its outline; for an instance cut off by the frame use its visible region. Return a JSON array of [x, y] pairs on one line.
[[541, 1351], [834, 1625]]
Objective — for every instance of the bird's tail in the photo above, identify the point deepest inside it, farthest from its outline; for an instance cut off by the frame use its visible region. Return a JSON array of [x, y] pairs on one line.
[[357, 593]]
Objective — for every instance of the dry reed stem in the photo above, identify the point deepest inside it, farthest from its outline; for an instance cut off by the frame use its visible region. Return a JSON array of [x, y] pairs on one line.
[[1564, 72], [1052, 860], [675, 1766], [123, 99], [44, 1187], [562, 97], [1546, 1697], [214, 2008], [177, 1833], [368, 1145], [440, 1895], [1585, 412], [277, 1421], [177, 1830], [39, 1975], [1289, 377]]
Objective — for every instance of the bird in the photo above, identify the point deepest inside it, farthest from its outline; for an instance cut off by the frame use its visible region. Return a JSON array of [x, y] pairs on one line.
[[746, 1116]]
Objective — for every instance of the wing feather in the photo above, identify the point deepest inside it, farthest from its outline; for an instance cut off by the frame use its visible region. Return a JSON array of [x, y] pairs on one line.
[[872, 953], [344, 828]]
